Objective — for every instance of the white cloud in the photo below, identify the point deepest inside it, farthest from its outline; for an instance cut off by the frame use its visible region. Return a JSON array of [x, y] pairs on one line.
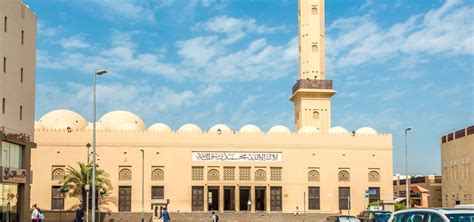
[[143, 99], [130, 10], [229, 25], [359, 40], [202, 58], [73, 42], [46, 30]]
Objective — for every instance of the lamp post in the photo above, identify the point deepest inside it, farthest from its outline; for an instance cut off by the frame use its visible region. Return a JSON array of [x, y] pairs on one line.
[[143, 185], [100, 72], [407, 195], [88, 145]]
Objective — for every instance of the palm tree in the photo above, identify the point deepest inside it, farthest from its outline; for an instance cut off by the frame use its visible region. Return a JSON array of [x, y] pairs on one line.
[[75, 180]]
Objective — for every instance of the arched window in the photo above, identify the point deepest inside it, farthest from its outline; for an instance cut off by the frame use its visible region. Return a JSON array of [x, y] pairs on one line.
[[374, 176], [260, 175], [314, 10], [313, 176], [344, 176], [314, 48], [213, 175], [315, 115], [58, 174], [125, 174], [158, 175]]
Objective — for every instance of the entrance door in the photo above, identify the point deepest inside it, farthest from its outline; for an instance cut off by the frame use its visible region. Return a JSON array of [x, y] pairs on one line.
[[260, 198], [275, 198], [229, 198], [244, 198], [213, 198], [198, 199]]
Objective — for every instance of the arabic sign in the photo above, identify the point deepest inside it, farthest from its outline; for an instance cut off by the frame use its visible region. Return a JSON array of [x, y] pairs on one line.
[[237, 157], [13, 175]]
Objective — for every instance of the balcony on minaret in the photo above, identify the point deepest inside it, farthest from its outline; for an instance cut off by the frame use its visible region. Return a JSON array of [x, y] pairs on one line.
[[312, 84]]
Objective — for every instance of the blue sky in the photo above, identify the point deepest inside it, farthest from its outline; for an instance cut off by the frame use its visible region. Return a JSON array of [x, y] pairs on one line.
[[395, 64]]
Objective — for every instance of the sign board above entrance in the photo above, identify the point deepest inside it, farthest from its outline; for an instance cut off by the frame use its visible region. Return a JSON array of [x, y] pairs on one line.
[[237, 156]]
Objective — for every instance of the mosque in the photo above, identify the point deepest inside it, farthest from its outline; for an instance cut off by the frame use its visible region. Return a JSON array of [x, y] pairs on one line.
[[318, 168]]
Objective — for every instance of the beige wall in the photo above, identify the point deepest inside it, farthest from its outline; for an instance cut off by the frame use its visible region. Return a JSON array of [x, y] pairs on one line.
[[431, 183], [359, 154], [15, 92], [457, 154]]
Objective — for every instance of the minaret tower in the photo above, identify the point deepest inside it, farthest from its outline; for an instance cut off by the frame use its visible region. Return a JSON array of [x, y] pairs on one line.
[[312, 92]]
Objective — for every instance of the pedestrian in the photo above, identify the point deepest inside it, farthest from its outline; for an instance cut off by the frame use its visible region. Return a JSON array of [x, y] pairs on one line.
[[166, 215], [35, 214], [214, 217], [80, 214]]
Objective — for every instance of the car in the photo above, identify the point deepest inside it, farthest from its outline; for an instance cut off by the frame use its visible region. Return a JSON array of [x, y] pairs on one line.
[[342, 218], [434, 215], [374, 216]]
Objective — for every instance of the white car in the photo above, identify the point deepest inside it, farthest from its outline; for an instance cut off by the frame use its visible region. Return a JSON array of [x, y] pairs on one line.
[[434, 215]]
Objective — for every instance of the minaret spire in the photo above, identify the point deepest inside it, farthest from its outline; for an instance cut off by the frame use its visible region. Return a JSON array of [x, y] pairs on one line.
[[311, 39], [312, 92]]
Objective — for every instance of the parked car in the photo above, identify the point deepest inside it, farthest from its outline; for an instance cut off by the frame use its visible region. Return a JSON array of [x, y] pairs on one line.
[[342, 218], [374, 216], [434, 215]]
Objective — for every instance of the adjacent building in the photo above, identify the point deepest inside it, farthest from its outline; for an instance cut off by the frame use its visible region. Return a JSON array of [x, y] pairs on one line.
[[17, 107], [425, 191], [316, 168], [457, 153]]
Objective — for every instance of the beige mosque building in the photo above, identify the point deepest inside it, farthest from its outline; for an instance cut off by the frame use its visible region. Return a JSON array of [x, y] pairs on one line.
[[318, 168]]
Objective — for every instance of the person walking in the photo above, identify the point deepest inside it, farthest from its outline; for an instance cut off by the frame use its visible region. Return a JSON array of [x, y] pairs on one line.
[[80, 214], [35, 214], [166, 215], [214, 217]]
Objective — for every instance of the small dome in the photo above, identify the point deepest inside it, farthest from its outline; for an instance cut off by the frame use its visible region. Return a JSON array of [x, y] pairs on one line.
[[308, 130], [121, 120], [160, 128], [189, 128], [366, 131], [62, 119], [249, 128], [98, 126], [338, 130], [223, 129], [38, 125], [279, 129]]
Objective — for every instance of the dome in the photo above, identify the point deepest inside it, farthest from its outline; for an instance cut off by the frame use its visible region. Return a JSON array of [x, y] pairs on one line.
[[366, 131], [279, 129], [160, 128], [223, 129], [62, 119], [249, 128], [189, 128], [38, 125], [338, 130], [121, 120], [308, 130], [98, 126]]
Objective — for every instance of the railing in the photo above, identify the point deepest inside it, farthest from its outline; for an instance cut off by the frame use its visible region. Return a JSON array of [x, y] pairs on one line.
[[458, 134], [15, 135], [312, 84]]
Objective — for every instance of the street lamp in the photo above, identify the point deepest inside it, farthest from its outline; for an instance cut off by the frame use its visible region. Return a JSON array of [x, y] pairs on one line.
[[407, 195], [100, 72], [143, 185], [88, 145]]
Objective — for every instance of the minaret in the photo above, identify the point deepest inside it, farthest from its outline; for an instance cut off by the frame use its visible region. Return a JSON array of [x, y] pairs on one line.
[[312, 92]]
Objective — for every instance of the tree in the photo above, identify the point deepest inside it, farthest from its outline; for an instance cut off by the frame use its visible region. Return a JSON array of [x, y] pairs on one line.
[[75, 180]]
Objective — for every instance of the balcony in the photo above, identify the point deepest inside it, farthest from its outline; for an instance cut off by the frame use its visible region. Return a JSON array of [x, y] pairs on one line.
[[11, 134], [312, 84]]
